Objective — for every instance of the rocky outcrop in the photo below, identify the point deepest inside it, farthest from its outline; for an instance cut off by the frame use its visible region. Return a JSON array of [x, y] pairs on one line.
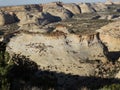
[[109, 2], [46, 18], [57, 11], [86, 8], [22, 8], [22, 16], [110, 36], [74, 8], [59, 50], [99, 7], [33, 22]]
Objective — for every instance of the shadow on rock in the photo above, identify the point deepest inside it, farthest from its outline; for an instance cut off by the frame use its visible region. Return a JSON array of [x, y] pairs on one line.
[[25, 75], [113, 56]]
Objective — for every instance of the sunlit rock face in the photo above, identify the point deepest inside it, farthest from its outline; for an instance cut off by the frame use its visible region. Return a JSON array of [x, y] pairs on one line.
[[99, 7], [47, 13], [59, 49], [86, 8], [110, 36], [52, 46], [57, 10], [74, 8]]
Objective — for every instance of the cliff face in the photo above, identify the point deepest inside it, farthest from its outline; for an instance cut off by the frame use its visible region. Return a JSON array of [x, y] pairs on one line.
[[110, 36], [65, 46], [59, 50], [57, 10]]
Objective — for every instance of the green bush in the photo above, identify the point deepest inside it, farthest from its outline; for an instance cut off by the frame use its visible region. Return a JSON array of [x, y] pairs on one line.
[[111, 87], [4, 69]]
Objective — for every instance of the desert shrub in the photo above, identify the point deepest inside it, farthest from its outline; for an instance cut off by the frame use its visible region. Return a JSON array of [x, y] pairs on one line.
[[25, 75], [4, 68], [111, 87], [23, 67]]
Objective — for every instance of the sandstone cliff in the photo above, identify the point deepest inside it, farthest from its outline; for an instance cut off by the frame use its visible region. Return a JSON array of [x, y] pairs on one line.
[[110, 36], [60, 50]]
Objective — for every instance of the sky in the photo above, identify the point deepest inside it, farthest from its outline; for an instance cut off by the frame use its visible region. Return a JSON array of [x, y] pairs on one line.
[[21, 2]]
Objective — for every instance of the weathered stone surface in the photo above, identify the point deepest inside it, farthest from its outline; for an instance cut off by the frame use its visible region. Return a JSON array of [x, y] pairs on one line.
[[22, 16], [58, 49], [46, 18], [75, 9], [99, 7], [58, 11], [33, 22], [110, 36], [86, 8]]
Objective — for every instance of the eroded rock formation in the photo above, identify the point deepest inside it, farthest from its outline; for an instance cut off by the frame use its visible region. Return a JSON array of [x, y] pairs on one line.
[[86, 8], [53, 47], [74, 8], [59, 50], [110, 36]]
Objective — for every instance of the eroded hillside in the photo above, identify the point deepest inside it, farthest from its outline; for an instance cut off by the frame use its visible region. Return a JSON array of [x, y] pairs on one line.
[[81, 41]]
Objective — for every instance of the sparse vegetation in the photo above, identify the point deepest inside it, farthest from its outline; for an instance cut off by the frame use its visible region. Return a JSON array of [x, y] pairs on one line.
[[84, 24], [4, 68], [111, 87]]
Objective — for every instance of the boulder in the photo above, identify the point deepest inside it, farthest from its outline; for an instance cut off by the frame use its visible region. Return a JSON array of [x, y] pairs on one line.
[[86, 8], [75, 9]]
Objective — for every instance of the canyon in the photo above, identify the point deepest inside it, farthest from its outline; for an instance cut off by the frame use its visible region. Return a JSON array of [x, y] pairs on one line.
[[77, 39]]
